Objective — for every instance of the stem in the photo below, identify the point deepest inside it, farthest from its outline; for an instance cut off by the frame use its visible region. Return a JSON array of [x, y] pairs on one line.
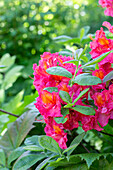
[[106, 133], [85, 147], [9, 113]]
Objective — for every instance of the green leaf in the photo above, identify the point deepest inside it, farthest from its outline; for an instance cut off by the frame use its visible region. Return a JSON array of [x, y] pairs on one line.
[[66, 39], [62, 38], [85, 59], [67, 53], [81, 166], [2, 95], [84, 109], [2, 66], [91, 157], [11, 76], [49, 143], [82, 33], [76, 62], [15, 154], [43, 164], [51, 89], [65, 162], [74, 144], [86, 79], [33, 148], [98, 59], [79, 96], [16, 133], [78, 53], [60, 71], [2, 157], [60, 120], [7, 61], [4, 118], [64, 96], [33, 140], [27, 160], [108, 77], [14, 103]]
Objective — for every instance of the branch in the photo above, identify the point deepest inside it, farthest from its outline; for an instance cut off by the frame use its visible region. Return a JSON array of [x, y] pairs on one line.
[[84, 147], [106, 133], [9, 113]]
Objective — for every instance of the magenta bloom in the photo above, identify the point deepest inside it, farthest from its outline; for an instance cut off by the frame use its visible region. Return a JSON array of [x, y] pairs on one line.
[[108, 4], [55, 131], [49, 104], [108, 26]]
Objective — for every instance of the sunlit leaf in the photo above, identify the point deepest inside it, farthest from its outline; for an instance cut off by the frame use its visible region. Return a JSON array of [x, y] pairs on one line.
[[60, 71]]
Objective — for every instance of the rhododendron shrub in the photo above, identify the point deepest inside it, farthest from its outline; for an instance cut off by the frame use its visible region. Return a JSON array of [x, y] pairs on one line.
[[65, 90], [108, 4]]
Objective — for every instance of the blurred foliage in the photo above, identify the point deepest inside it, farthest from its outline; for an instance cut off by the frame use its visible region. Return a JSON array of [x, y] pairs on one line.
[[28, 27]]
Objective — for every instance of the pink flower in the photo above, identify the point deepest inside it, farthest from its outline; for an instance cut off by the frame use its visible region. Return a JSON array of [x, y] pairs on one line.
[[55, 131], [108, 4], [108, 25], [49, 104]]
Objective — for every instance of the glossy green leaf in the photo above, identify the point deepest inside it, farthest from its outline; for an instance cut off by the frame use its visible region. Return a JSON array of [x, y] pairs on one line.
[[60, 120], [17, 131], [43, 164], [51, 89], [49, 143], [16, 153], [67, 39], [98, 59], [76, 62], [2, 158], [62, 38], [84, 109], [64, 96], [60, 71], [74, 144], [85, 79], [33, 148], [64, 162], [91, 157], [78, 53], [67, 53], [85, 59], [79, 96], [33, 140], [80, 166], [108, 77], [27, 160]]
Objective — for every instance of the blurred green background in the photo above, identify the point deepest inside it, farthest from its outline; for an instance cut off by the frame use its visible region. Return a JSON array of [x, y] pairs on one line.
[[27, 29]]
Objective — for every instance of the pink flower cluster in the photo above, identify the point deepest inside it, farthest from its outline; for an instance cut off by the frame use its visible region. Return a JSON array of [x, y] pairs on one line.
[[50, 104], [108, 4], [103, 96]]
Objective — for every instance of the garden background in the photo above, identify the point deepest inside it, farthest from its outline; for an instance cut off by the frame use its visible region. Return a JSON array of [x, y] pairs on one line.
[[27, 29]]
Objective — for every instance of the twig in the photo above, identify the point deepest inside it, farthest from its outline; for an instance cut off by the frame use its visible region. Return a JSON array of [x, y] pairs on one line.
[[85, 147], [9, 113], [106, 133]]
